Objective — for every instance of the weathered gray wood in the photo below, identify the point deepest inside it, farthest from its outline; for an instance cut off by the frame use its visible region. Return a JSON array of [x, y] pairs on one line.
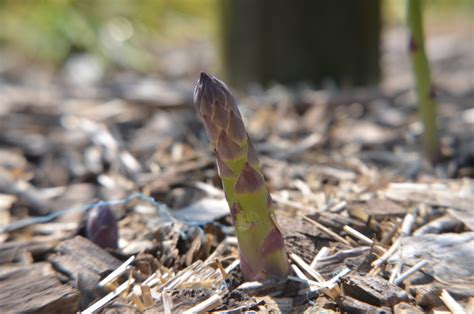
[[302, 237], [373, 290], [15, 251], [28, 292], [449, 257], [85, 264], [350, 305]]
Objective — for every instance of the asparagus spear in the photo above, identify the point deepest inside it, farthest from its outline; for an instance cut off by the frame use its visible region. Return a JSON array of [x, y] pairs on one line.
[[102, 227], [262, 249]]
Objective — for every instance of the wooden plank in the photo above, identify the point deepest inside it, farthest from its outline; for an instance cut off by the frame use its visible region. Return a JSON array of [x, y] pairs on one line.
[[350, 305], [29, 293], [373, 290], [13, 251], [85, 264]]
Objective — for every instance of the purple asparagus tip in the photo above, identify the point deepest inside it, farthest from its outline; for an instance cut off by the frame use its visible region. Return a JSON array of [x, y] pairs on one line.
[[101, 227], [204, 76]]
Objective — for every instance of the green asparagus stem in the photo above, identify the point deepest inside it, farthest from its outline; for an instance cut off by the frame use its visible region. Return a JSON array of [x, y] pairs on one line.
[[262, 249], [421, 68]]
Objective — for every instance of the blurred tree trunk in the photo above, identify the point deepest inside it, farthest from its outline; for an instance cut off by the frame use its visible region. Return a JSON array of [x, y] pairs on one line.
[[300, 40]]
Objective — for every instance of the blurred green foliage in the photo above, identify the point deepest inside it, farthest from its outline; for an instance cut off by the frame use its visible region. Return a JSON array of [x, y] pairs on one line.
[[122, 32], [127, 32]]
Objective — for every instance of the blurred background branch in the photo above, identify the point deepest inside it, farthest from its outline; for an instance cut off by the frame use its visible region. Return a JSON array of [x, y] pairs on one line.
[[421, 68]]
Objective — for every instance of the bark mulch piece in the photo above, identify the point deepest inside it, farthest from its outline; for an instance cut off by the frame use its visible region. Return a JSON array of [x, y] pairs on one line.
[[32, 292]]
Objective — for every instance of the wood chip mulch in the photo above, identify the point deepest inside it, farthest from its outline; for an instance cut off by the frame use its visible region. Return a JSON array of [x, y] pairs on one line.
[[370, 226]]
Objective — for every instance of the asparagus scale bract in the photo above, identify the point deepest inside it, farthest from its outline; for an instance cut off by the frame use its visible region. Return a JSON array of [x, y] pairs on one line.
[[262, 249]]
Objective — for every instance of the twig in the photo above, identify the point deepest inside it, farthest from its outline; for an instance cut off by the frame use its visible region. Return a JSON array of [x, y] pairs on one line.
[[298, 260], [387, 254], [356, 234], [117, 272], [129, 282], [341, 274], [328, 287], [309, 282], [136, 300], [232, 265], [167, 302], [177, 280], [146, 295], [408, 222], [450, 303], [410, 271], [299, 273], [152, 280], [109, 297], [395, 272], [224, 274], [323, 252], [206, 305], [337, 207]]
